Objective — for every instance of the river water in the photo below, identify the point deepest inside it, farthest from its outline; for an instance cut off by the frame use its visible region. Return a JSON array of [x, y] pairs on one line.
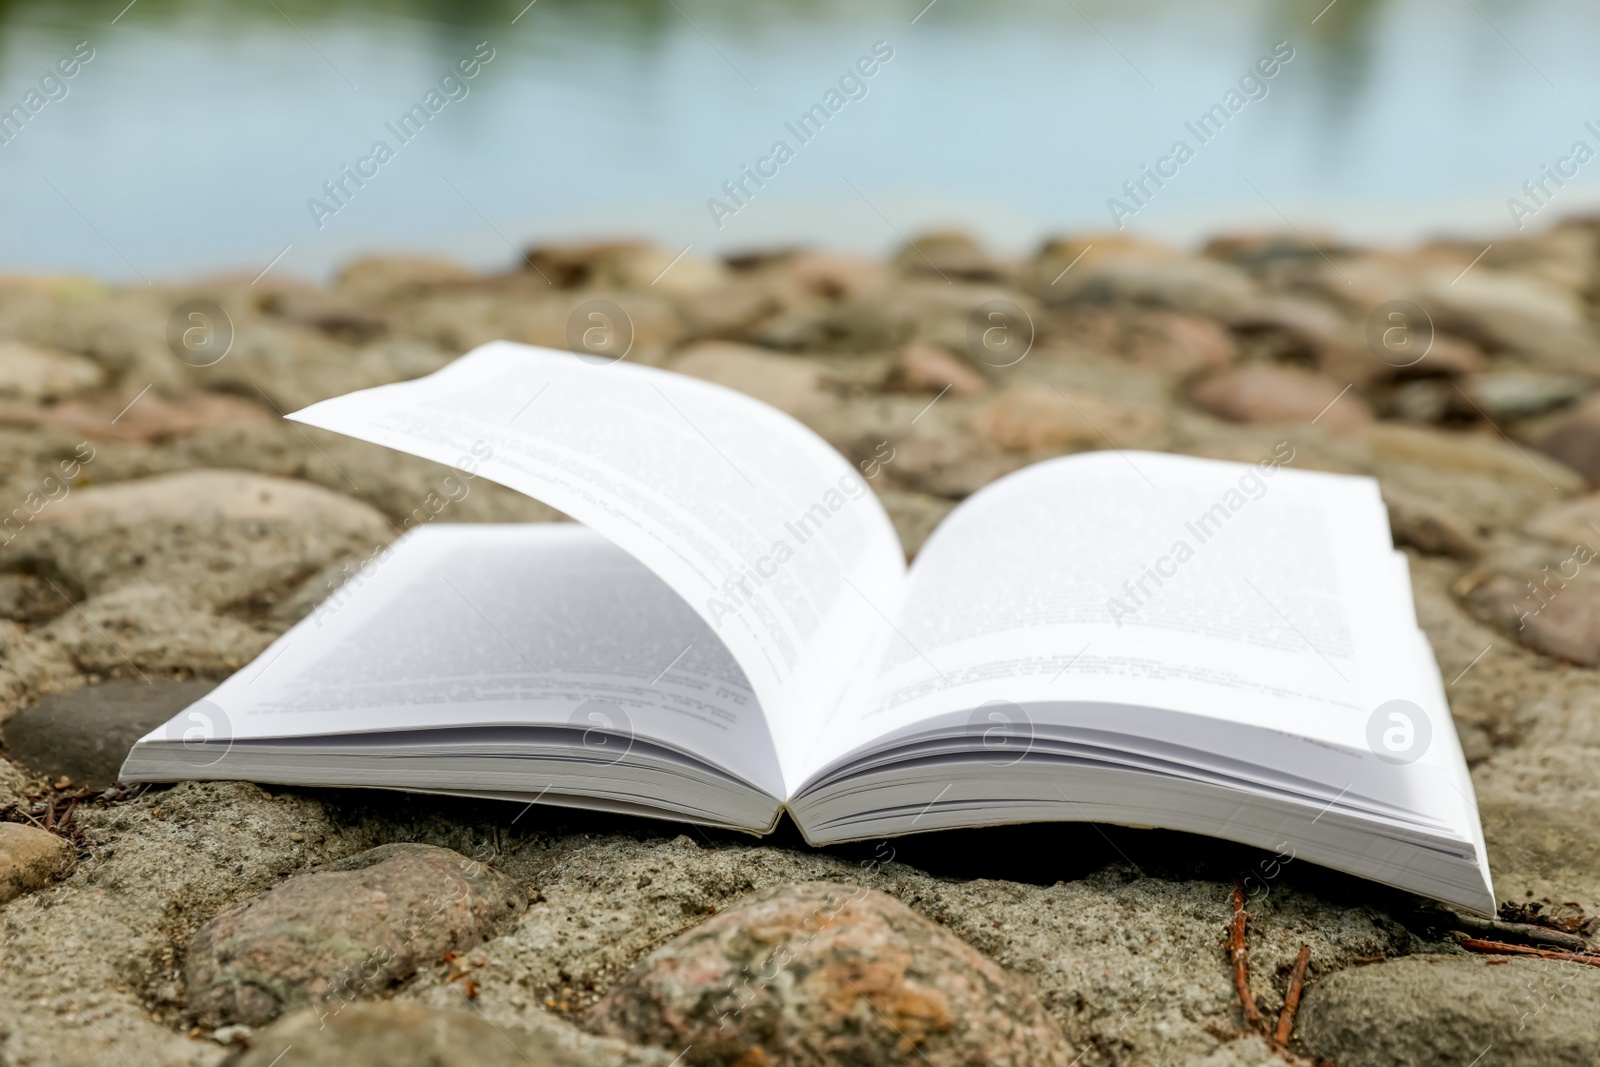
[[199, 136]]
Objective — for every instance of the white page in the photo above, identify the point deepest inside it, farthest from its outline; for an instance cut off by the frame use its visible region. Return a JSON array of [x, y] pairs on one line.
[[761, 526], [491, 625], [1284, 611]]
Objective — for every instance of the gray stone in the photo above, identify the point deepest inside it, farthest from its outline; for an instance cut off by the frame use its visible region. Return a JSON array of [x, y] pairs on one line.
[[85, 734], [1520, 394], [786, 382], [821, 973], [411, 1035], [29, 858], [1429, 526], [951, 254], [1574, 439], [1269, 394], [1456, 1009], [1561, 622], [346, 932]]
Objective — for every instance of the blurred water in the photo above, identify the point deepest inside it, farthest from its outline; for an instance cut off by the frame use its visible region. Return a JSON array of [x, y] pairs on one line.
[[195, 136]]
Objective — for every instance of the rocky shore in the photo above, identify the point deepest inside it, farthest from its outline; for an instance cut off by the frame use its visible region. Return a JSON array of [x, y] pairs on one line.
[[160, 524]]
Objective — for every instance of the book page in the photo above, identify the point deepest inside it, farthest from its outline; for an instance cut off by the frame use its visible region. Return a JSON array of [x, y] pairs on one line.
[[766, 531], [513, 625], [1241, 593]]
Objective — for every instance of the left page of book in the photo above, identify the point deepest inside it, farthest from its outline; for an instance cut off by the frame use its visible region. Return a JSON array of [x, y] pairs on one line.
[[762, 527], [459, 626]]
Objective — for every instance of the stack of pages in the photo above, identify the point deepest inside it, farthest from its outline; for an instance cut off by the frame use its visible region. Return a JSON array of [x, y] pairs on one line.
[[733, 632]]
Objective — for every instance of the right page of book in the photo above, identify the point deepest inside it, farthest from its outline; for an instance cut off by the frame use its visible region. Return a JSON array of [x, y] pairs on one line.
[[1244, 593]]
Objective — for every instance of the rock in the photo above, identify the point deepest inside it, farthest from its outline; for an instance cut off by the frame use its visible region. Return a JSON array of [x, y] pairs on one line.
[[391, 277], [86, 733], [822, 973], [1251, 1050], [29, 858], [622, 265], [926, 369], [1178, 345], [1569, 523], [788, 384], [348, 320], [1309, 327], [950, 465], [951, 254], [130, 417], [1423, 400], [392, 1034], [1453, 1009], [1265, 393], [1537, 803], [1519, 394], [28, 598], [1503, 310], [1115, 270], [1574, 438], [32, 374], [1557, 619], [346, 931], [232, 496], [1484, 454], [1429, 526], [1039, 418]]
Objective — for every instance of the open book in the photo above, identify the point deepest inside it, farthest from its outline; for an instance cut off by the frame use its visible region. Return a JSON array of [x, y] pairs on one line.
[[733, 632]]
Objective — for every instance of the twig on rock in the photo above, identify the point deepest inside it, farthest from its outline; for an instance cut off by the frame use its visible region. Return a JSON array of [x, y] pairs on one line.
[[1532, 933], [1291, 998], [1241, 958], [1500, 948]]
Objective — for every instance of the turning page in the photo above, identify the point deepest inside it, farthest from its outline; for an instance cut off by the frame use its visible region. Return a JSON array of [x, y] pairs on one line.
[[757, 523]]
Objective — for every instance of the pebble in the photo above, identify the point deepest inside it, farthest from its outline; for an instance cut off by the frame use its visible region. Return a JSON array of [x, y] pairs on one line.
[[344, 932], [230, 495], [1040, 418], [1178, 345], [1558, 621], [1521, 394], [30, 373], [1269, 394], [1510, 310], [86, 733], [1142, 276], [1429, 526], [1479, 454], [788, 384], [1573, 437], [1497, 1010], [390, 277], [823, 973], [29, 858], [623, 265], [949, 254], [152, 417], [1569, 523], [926, 369], [389, 1034]]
